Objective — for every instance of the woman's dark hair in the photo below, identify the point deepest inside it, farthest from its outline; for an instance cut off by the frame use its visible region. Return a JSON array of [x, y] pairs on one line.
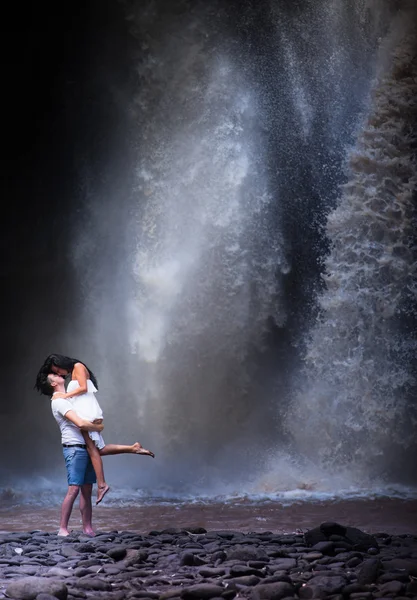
[[62, 362]]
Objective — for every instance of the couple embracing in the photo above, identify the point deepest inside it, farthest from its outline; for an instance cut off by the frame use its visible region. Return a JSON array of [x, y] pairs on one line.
[[80, 419]]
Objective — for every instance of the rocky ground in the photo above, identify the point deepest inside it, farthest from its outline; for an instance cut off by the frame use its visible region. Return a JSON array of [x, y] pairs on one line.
[[330, 561]]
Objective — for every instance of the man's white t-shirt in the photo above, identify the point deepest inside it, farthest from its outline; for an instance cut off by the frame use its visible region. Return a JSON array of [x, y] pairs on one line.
[[70, 433]]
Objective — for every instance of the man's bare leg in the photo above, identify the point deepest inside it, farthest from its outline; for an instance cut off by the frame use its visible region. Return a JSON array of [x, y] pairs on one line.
[[66, 509], [93, 451], [86, 509], [135, 448]]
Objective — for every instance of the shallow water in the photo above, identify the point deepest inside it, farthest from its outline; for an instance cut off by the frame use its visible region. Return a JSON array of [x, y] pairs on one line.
[[379, 515]]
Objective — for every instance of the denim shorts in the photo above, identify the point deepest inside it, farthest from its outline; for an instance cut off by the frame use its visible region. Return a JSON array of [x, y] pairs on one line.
[[79, 466]]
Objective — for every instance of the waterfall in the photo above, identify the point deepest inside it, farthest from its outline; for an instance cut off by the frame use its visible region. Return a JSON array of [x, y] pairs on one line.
[[207, 266], [354, 412], [240, 123]]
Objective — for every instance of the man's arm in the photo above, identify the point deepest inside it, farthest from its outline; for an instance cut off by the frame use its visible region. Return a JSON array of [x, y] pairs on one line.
[[84, 425]]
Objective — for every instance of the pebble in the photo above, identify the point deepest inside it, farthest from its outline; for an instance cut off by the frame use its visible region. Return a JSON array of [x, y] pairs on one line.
[[329, 561]]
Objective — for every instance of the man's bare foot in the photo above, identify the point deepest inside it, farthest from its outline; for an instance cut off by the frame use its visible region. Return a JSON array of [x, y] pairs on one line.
[[89, 532], [139, 449], [63, 532], [101, 492]]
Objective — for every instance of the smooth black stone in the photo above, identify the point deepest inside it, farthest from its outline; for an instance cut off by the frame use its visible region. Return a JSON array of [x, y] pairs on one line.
[[354, 562], [353, 588], [22, 570], [341, 547], [187, 559], [117, 553], [134, 574], [170, 594], [93, 583], [272, 591], [104, 537], [369, 571], [212, 547], [283, 564], [58, 572], [69, 552], [331, 585], [72, 593], [408, 565], [227, 535], [202, 591], [341, 556], [391, 588], [219, 556], [324, 547], [246, 553], [360, 595], [320, 567], [277, 553], [239, 570], [27, 588], [412, 588], [195, 530], [212, 571], [394, 575], [243, 581], [228, 594], [244, 562], [258, 564], [277, 578]]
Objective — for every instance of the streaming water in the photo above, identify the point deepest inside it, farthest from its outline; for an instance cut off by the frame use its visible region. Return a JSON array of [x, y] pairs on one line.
[[188, 308], [355, 412]]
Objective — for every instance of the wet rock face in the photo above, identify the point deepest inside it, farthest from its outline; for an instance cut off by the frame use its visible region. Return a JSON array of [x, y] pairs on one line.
[[193, 564]]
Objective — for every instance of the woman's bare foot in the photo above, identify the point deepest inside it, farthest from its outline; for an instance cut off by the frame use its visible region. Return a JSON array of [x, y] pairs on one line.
[[101, 492], [63, 532], [139, 449]]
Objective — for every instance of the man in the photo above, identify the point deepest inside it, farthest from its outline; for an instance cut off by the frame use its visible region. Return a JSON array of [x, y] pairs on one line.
[[81, 393], [80, 472]]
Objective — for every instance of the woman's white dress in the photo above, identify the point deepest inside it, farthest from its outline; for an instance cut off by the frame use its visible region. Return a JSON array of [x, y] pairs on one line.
[[87, 407]]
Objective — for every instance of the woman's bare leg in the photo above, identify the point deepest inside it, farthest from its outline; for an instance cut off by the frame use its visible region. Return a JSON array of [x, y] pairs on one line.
[[93, 451], [135, 448]]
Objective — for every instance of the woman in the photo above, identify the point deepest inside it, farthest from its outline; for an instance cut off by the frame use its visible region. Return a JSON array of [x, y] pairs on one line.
[[81, 391]]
